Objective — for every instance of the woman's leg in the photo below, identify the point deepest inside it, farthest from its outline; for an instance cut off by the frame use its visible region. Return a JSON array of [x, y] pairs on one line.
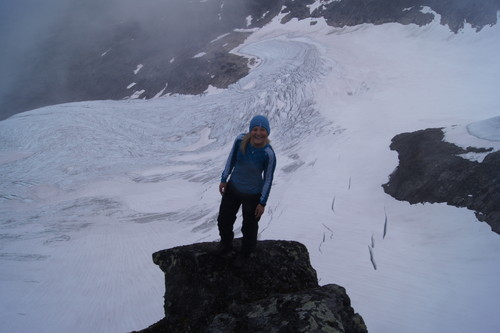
[[229, 206], [250, 225]]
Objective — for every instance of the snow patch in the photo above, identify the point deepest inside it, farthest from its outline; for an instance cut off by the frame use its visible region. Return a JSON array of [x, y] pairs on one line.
[[220, 37], [105, 52], [199, 55], [160, 93], [211, 90], [319, 3], [137, 94], [139, 67], [246, 30], [427, 10]]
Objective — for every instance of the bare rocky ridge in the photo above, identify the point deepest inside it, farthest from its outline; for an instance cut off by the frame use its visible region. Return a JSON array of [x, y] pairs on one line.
[[430, 170], [276, 291], [454, 13]]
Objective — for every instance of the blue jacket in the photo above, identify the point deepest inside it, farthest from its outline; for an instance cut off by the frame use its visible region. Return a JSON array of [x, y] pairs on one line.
[[252, 172]]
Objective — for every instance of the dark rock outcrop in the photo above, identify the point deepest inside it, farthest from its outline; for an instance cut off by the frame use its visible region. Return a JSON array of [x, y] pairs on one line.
[[454, 13], [276, 291], [430, 170]]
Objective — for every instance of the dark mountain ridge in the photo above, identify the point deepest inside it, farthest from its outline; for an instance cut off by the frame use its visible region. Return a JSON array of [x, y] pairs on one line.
[[96, 50]]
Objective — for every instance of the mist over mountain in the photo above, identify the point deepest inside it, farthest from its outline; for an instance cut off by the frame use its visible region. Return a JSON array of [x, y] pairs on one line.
[[60, 51]]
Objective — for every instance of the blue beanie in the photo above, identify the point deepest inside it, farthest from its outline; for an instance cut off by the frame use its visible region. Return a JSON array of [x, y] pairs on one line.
[[260, 121]]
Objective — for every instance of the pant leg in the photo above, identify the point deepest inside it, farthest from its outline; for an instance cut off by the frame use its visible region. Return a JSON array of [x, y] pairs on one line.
[[229, 206], [250, 225]]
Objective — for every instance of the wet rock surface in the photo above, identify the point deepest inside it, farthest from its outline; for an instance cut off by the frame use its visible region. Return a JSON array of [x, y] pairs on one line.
[[431, 170], [275, 291]]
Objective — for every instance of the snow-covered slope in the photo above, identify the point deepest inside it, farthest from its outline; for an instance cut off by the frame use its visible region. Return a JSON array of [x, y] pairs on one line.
[[90, 190]]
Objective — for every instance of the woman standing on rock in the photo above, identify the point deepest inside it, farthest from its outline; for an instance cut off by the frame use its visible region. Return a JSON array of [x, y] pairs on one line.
[[250, 169]]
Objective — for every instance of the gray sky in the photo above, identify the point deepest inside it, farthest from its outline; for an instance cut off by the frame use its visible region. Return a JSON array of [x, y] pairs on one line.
[[27, 25]]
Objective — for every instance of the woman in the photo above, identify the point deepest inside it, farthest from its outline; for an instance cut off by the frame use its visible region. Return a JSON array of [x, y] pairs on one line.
[[250, 166]]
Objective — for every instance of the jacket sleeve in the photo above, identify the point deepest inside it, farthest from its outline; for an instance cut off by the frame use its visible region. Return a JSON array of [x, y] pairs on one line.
[[268, 175], [231, 160]]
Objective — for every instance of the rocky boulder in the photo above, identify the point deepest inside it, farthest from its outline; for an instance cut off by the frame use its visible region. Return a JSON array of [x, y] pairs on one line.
[[275, 291], [431, 170]]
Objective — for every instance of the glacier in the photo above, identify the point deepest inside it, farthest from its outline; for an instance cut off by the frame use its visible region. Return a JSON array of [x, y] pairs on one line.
[[90, 190]]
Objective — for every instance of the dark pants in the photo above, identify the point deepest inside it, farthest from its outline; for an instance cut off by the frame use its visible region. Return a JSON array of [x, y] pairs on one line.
[[229, 206]]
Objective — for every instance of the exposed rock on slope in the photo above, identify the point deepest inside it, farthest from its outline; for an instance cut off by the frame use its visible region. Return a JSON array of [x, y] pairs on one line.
[[430, 170], [454, 13], [115, 49], [276, 291]]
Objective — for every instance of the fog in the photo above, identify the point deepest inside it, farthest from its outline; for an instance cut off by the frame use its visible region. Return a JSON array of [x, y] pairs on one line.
[[51, 49]]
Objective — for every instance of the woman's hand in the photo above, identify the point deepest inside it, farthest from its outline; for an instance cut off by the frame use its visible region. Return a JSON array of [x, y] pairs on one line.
[[222, 188], [259, 210]]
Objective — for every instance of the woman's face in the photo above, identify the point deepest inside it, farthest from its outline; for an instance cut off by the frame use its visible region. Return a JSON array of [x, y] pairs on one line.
[[258, 137]]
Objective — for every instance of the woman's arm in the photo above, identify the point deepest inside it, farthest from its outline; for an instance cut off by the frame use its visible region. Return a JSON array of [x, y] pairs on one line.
[[231, 159], [259, 210], [268, 175]]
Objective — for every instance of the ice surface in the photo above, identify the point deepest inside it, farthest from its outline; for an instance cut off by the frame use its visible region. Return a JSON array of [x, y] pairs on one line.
[[488, 129], [90, 190]]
